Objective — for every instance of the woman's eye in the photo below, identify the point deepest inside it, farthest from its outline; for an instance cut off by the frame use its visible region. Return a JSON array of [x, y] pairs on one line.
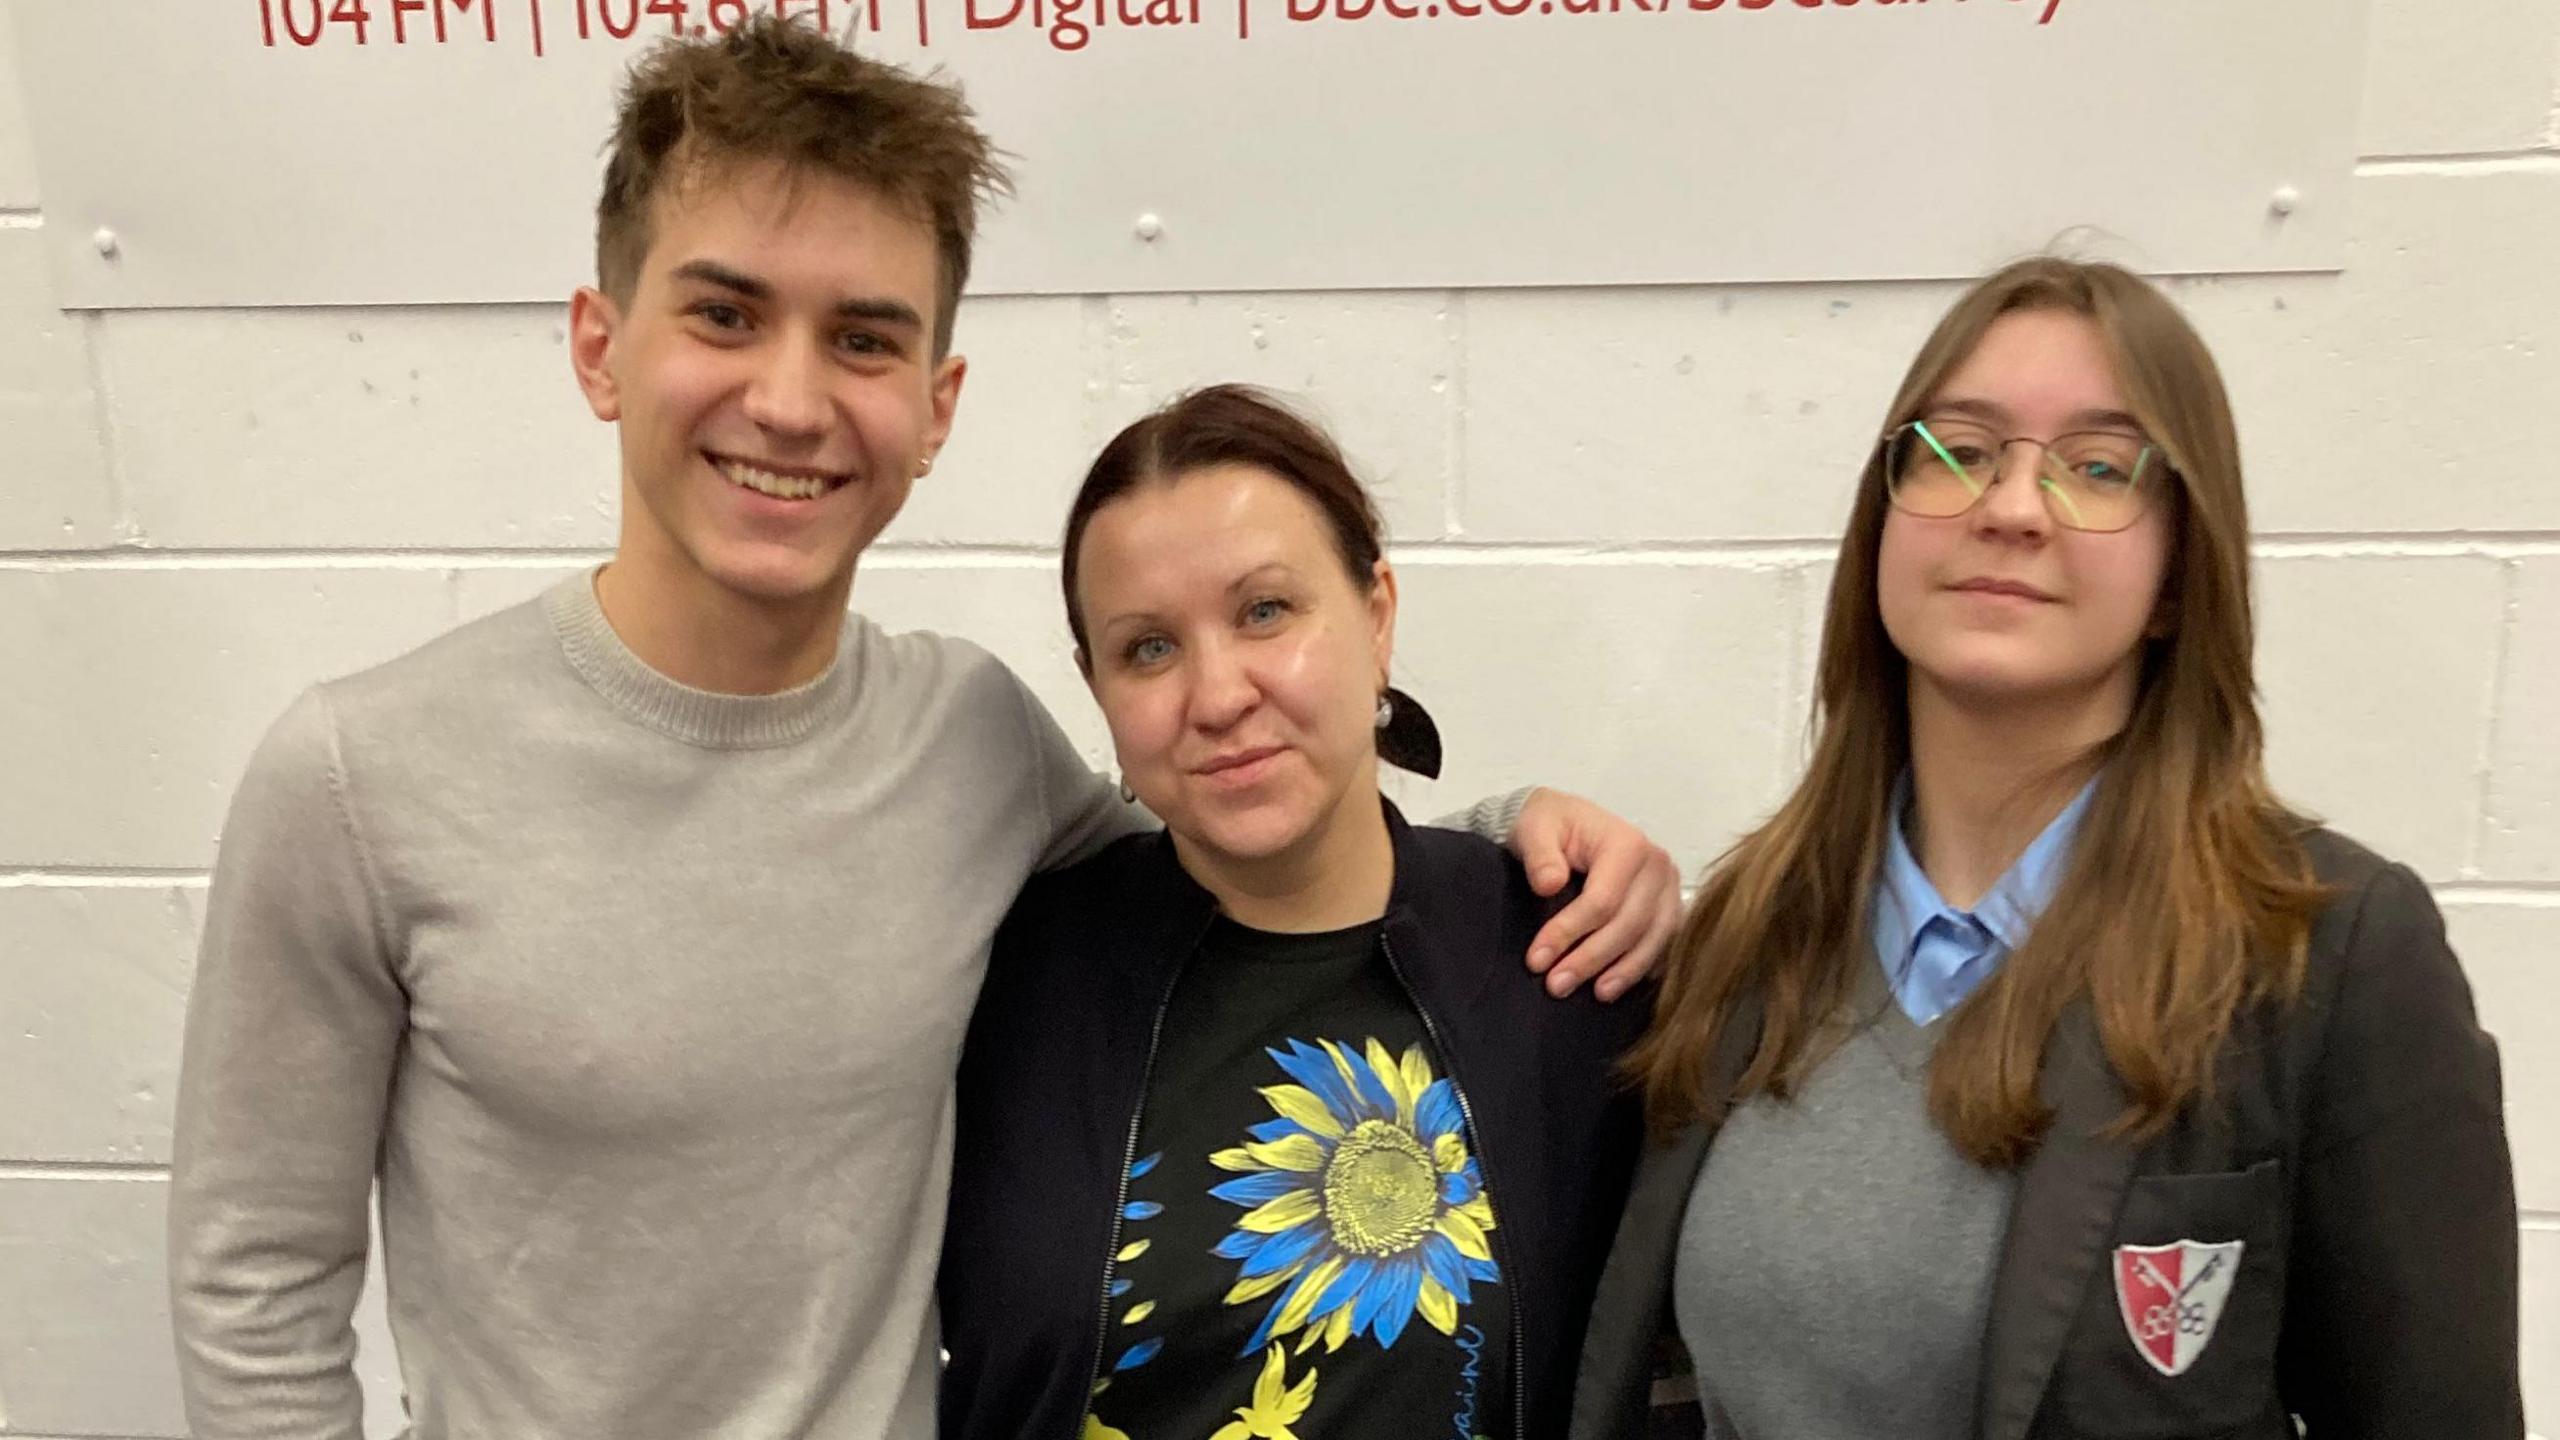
[[1265, 612], [1147, 650], [1971, 457]]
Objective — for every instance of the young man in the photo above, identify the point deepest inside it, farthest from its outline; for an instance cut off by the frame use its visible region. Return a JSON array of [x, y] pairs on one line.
[[628, 936]]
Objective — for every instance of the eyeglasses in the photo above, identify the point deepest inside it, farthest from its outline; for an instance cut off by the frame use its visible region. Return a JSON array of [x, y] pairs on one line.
[[2098, 480]]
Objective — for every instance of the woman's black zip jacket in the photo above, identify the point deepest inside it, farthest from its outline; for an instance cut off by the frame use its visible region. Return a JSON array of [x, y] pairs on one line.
[[1055, 1070]]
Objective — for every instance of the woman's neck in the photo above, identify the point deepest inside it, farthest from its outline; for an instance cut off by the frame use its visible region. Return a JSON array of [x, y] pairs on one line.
[[1987, 777], [1336, 877]]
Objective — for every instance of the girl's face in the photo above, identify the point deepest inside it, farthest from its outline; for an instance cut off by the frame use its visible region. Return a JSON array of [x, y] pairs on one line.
[[2003, 604], [1237, 663]]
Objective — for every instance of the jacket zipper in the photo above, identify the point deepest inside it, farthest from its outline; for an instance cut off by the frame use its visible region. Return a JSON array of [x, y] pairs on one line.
[[1120, 1204], [1484, 1165]]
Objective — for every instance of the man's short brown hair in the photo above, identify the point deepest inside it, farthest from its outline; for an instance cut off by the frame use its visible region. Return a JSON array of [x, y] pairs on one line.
[[782, 91]]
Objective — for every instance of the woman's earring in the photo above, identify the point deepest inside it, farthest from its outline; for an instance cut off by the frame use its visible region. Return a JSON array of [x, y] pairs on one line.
[[1386, 711], [1127, 795]]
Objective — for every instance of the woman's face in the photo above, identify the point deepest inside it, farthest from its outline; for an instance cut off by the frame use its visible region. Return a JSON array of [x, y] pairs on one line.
[[2004, 605], [1237, 663]]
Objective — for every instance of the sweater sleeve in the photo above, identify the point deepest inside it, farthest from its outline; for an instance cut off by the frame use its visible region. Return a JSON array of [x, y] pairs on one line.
[[1491, 818], [2401, 1317], [1082, 811], [293, 1026]]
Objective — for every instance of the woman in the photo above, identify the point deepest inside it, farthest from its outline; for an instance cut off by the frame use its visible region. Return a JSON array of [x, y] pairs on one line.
[[1263, 1129], [2034, 1072]]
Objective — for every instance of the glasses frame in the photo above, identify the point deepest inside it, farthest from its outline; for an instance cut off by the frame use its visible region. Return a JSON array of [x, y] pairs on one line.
[[2056, 504]]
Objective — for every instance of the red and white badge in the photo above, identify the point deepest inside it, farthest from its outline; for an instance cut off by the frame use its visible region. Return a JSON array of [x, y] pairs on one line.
[[2171, 1298]]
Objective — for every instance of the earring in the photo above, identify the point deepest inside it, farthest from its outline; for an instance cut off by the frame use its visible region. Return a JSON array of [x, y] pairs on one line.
[[1386, 711], [924, 465], [1127, 795]]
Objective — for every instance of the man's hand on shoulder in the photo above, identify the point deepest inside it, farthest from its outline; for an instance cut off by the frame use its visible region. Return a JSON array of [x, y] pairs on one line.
[[1629, 908]]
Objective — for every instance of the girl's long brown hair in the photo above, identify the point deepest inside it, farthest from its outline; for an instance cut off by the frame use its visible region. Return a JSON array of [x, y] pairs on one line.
[[2188, 894]]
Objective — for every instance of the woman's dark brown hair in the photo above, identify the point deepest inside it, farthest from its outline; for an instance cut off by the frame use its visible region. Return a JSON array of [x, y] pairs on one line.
[[1227, 425], [1240, 425], [2188, 894]]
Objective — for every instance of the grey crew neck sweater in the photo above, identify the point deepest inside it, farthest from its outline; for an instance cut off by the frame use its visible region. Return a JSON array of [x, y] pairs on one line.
[[646, 1001], [1834, 1269]]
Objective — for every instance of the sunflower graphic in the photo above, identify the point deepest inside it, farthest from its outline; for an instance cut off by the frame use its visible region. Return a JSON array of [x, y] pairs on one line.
[[1363, 1207]]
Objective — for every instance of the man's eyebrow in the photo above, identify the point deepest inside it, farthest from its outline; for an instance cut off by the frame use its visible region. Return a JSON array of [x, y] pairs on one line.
[[878, 309], [881, 310], [712, 272]]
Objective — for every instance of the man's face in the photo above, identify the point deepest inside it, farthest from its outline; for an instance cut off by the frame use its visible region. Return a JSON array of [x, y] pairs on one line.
[[774, 380]]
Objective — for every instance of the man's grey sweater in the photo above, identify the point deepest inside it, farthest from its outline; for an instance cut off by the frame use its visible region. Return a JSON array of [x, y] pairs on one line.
[[646, 1003]]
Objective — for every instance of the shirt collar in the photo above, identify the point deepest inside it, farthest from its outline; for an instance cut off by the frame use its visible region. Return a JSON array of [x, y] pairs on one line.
[[1906, 900], [2018, 897]]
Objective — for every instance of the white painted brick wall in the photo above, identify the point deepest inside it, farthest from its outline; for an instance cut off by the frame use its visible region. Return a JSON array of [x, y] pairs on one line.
[[17, 154], [1613, 508]]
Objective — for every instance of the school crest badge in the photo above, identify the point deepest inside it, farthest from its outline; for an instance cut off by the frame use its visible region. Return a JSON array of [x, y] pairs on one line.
[[2171, 1298]]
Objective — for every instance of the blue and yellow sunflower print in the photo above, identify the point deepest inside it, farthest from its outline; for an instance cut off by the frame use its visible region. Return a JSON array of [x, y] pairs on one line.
[[1363, 1207]]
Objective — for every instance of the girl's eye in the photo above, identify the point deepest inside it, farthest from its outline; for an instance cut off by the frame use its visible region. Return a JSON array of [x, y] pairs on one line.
[[1147, 650]]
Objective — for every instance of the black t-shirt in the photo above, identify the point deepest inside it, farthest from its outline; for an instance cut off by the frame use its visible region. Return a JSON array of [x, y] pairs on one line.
[[1304, 1249]]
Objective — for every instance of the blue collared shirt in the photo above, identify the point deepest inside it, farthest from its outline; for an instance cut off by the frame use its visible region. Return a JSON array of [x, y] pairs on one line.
[[1934, 954]]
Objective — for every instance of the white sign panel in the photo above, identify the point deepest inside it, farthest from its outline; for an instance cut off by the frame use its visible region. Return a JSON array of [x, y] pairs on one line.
[[265, 152]]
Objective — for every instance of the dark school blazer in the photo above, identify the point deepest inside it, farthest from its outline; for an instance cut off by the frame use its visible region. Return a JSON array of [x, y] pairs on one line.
[[2359, 1154]]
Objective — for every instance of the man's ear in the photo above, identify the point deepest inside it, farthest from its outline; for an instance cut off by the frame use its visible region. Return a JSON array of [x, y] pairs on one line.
[[594, 321], [948, 374]]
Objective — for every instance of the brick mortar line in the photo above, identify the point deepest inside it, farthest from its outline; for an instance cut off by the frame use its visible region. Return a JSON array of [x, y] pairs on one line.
[[2487, 544], [2485, 794], [2535, 160], [1453, 490], [93, 359], [2523, 895], [80, 1170], [2518, 894], [100, 877], [98, 1436], [2502, 545]]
